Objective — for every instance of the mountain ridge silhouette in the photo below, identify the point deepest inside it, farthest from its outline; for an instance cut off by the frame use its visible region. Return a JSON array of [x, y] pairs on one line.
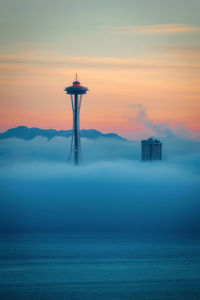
[[25, 133]]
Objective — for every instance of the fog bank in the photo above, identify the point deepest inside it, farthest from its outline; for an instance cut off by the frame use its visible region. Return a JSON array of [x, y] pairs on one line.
[[112, 190]]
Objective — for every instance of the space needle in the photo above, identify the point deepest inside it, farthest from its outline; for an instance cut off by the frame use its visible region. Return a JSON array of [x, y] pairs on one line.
[[76, 91]]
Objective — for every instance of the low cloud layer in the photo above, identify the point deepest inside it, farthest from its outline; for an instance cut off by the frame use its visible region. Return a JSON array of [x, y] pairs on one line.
[[112, 190], [57, 149]]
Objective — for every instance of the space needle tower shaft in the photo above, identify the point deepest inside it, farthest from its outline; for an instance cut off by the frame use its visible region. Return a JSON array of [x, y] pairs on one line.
[[76, 91]]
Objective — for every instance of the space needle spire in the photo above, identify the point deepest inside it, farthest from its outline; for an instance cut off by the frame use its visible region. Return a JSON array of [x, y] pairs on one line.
[[76, 91]]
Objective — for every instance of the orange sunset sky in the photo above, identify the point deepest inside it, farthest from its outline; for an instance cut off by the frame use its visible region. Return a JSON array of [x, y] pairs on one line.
[[139, 59]]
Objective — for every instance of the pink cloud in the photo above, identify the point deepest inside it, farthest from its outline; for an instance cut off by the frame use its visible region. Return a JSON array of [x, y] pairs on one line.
[[156, 29]]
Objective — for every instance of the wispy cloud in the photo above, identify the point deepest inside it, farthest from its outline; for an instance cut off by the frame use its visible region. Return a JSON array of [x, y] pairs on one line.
[[161, 129], [92, 62], [155, 29], [192, 52]]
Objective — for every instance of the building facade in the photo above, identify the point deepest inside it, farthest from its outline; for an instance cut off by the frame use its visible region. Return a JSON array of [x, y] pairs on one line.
[[151, 149]]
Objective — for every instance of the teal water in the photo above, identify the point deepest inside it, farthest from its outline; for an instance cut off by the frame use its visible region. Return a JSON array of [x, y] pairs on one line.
[[83, 266]]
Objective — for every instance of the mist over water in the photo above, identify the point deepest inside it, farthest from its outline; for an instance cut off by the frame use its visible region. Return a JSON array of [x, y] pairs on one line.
[[112, 228], [112, 190]]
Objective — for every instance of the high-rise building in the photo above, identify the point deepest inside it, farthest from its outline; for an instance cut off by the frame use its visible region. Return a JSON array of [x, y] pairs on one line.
[[151, 149]]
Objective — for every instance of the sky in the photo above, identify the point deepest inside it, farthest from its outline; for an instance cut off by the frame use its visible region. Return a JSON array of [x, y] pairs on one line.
[[139, 59]]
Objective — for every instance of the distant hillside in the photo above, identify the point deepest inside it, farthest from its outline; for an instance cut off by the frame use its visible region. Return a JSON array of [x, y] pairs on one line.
[[25, 133]]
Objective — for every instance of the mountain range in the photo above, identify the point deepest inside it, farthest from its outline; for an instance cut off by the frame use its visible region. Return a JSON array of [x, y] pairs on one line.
[[25, 133]]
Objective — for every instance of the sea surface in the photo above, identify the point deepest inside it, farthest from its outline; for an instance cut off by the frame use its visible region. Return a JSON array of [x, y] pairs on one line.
[[98, 266]]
